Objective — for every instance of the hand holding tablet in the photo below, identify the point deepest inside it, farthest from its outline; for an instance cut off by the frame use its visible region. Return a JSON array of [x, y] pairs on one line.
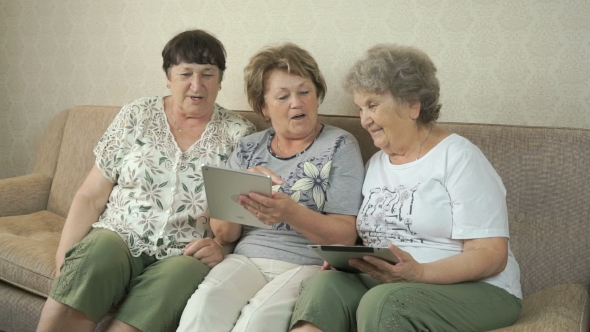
[[338, 256], [223, 188]]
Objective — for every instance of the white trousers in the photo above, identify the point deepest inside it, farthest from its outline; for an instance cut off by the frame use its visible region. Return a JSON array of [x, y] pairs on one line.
[[245, 294]]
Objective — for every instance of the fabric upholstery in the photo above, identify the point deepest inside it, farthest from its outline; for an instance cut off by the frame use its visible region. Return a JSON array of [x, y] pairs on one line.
[[558, 308], [24, 194], [545, 171], [27, 250], [82, 131]]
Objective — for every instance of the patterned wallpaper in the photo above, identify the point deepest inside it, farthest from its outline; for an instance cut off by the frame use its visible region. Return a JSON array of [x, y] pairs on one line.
[[503, 61]]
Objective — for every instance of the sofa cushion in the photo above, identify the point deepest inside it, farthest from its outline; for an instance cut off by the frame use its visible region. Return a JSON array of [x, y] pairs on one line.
[[27, 250], [558, 308]]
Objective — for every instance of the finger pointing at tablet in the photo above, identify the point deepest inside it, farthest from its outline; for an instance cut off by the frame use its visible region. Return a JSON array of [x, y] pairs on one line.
[[263, 170]]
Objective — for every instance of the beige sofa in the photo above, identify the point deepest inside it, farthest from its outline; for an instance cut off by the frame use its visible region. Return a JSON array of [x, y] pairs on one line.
[[546, 172]]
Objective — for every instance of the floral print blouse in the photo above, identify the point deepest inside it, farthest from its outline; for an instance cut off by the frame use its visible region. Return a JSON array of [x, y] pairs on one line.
[[158, 203]]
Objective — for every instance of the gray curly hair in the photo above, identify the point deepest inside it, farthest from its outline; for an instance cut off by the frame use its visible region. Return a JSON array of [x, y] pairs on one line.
[[405, 72]]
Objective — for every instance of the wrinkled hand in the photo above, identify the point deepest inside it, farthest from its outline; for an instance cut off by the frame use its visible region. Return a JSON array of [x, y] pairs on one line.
[[206, 250], [407, 269], [263, 170], [269, 210]]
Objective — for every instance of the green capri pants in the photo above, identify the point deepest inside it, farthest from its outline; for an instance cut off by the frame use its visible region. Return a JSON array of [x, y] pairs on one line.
[[337, 301], [100, 271]]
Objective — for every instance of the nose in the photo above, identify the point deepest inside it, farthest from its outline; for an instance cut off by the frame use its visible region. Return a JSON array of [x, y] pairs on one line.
[[365, 118], [296, 101], [195, 82]]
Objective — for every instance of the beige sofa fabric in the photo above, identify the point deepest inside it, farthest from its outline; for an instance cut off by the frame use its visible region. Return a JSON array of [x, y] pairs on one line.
[[24, 194], [545, 171]]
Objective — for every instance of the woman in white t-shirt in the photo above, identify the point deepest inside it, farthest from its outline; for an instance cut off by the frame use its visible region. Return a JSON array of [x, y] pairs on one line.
[[433, 198]]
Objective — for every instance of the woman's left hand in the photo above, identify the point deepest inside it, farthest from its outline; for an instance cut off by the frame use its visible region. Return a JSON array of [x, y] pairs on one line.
[[406, 269], [269, 210], [206, 250]]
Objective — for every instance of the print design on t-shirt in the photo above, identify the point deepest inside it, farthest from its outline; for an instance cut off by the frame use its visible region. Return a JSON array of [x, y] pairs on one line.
[[306, 184], [387, 215]]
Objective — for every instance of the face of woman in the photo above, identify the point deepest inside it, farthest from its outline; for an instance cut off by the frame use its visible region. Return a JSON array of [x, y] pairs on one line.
[[392, 127], [194, 87], [291, 103]]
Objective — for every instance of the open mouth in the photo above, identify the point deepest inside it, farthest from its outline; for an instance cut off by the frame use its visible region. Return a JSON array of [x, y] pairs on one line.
[[298, 117]]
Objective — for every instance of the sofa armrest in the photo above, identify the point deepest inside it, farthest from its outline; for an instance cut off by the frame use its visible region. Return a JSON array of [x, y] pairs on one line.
[[24, 194]]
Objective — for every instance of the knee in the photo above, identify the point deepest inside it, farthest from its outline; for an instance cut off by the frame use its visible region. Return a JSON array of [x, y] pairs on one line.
[[387, 305], [326, 281], [181, 272]]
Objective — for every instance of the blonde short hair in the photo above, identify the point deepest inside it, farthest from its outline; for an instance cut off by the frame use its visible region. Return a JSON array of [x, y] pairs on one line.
[[289, 58]]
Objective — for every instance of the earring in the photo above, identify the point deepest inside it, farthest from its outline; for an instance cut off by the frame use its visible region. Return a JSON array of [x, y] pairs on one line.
[[267, 119]]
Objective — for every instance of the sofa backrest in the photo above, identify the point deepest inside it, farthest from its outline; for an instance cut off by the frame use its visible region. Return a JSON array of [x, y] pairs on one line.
[[545, 171], [83, 128]]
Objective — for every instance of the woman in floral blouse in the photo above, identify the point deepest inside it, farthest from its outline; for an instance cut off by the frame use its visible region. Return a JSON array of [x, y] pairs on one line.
[[318, 173], [138, 229]]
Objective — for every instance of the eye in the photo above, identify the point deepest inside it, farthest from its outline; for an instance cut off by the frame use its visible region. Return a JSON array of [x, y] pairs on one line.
[[186, 74], [304, 92], [372, 106], [282, 97]]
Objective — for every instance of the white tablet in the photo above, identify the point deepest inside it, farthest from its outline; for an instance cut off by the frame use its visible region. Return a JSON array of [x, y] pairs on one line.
[[223, 188], [338, 256]]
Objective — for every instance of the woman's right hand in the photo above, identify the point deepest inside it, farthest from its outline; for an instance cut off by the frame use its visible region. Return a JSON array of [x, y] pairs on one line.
[[263, 170]]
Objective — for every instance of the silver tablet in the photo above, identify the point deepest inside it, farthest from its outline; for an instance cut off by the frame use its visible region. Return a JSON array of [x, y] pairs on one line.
[[223, 188], [338, 256]]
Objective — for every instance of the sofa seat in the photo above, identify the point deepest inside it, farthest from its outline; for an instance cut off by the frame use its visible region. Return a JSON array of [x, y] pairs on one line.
[[27, 250], [557, 308]]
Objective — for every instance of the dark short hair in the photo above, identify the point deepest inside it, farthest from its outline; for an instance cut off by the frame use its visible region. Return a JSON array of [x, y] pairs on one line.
[[194, 46], [289, 58], [406, 72]]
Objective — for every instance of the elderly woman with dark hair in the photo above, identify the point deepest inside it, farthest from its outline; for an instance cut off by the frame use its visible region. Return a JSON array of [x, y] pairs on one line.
[[431, 197], [138, 230], [317, 171]]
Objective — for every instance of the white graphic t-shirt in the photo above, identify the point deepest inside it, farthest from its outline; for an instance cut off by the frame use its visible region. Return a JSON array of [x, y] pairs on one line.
[[429, 206]]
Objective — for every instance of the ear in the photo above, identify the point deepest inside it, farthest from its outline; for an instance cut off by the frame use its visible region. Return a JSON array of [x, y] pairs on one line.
[[265, 112], [415, 110]]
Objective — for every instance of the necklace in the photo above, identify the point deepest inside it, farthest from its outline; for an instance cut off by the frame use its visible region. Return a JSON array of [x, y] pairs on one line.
[[178, 128], [305, 146], [420, 149]]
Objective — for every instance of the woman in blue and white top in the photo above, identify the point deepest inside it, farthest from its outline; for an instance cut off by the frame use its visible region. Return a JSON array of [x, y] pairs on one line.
[[317, 171]]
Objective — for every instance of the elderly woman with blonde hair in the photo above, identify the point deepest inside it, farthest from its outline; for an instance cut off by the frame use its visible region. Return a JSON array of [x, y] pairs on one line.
[[317, 171], [435, 201]]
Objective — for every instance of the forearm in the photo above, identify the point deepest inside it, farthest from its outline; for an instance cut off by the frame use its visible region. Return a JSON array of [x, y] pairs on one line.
[[225, 232], [469, 265], [83, 213], [323, 228]]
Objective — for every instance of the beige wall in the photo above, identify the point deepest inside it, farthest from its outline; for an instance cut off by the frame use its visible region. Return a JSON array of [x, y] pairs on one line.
[[523, 62]]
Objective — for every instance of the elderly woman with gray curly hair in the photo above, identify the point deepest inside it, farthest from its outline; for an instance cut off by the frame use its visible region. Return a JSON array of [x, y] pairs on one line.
[[435, 201]]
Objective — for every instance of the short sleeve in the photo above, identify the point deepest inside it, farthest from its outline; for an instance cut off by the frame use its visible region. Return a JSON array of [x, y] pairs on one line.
[[344, 192], [478, 197], [115, 142], [233, 161]]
